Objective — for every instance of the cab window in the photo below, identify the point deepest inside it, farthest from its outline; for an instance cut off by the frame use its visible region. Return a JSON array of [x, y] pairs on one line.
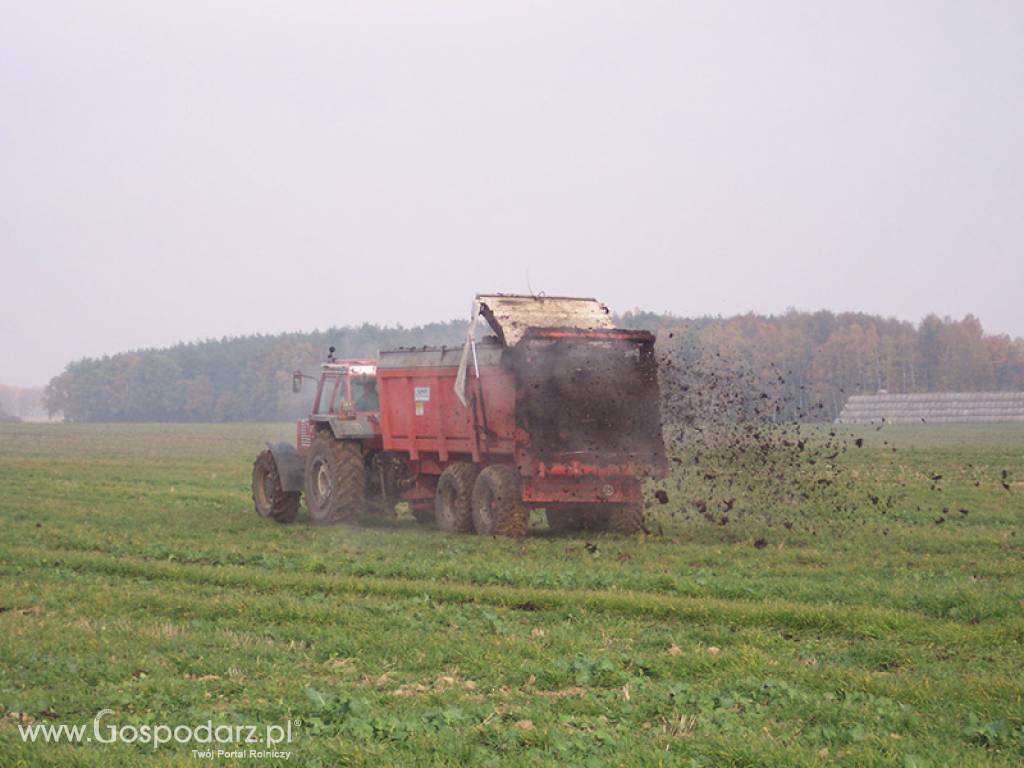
[[327, 389], [364, 394]]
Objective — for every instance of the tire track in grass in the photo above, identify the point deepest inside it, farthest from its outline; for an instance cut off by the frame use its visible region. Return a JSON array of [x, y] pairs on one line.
[[931, 602], [843, 621]]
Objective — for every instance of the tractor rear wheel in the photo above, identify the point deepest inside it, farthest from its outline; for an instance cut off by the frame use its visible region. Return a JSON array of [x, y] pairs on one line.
[[564, 520], [498, 508], [626, 518], [268, 497], [453, 499], [335, 480]]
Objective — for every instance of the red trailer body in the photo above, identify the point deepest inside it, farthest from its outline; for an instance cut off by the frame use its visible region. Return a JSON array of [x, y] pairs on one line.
[[422, 418], [421, 414]]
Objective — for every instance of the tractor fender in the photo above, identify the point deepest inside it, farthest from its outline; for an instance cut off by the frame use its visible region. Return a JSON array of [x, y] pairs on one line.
[[291, 468], [358, 428]]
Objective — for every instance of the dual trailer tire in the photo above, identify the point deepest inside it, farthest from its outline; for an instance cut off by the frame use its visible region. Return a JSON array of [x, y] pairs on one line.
[[488, 501], [498, 508]]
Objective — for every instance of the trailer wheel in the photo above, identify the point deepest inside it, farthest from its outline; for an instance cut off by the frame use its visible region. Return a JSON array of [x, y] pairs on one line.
[[453, 499], [267, 496], [626, 518], [564, 520], [498, 508], [335, 480]]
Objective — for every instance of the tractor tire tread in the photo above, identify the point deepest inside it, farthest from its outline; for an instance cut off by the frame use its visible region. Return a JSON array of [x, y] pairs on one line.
[[461, 476], [348, 480], [511, 516], [283, 506]]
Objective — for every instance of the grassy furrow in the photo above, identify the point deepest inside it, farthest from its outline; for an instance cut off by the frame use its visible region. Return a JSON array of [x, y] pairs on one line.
[[856, 621]]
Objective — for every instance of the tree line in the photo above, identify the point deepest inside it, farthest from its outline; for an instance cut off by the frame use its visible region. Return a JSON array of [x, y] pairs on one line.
[[244, 378], [808, 363]]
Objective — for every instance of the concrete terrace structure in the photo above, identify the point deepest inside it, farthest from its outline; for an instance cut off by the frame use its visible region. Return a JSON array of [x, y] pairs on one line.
[[934, 408]]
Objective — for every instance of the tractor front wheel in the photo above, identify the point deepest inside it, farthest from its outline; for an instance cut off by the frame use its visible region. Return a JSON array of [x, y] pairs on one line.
[[498, 508], [335, 480], [268, 497]]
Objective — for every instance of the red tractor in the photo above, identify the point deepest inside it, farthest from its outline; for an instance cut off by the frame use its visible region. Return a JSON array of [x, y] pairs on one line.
[[556, 409]]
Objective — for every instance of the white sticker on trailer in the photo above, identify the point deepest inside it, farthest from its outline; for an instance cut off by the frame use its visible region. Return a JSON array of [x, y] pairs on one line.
[[421, 394]]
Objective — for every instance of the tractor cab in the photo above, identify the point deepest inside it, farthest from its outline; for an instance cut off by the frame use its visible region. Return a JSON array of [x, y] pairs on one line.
[[347, 389]]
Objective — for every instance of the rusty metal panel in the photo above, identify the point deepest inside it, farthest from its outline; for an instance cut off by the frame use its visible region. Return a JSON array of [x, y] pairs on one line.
[[510, 316]]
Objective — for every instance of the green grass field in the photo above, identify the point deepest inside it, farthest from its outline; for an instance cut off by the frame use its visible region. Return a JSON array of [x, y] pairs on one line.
[[136, 578]]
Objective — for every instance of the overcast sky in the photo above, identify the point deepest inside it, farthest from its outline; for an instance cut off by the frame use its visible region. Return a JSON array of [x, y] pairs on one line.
[[175, 171]]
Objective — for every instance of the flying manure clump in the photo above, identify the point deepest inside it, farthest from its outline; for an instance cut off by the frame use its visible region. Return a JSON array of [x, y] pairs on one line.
[[747, 442]]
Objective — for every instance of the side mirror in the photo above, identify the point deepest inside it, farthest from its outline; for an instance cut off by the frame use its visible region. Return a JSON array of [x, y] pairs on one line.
[[297, 382]]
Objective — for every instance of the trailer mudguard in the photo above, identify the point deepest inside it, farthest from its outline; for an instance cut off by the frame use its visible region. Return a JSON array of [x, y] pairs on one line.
[[291, 467]]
